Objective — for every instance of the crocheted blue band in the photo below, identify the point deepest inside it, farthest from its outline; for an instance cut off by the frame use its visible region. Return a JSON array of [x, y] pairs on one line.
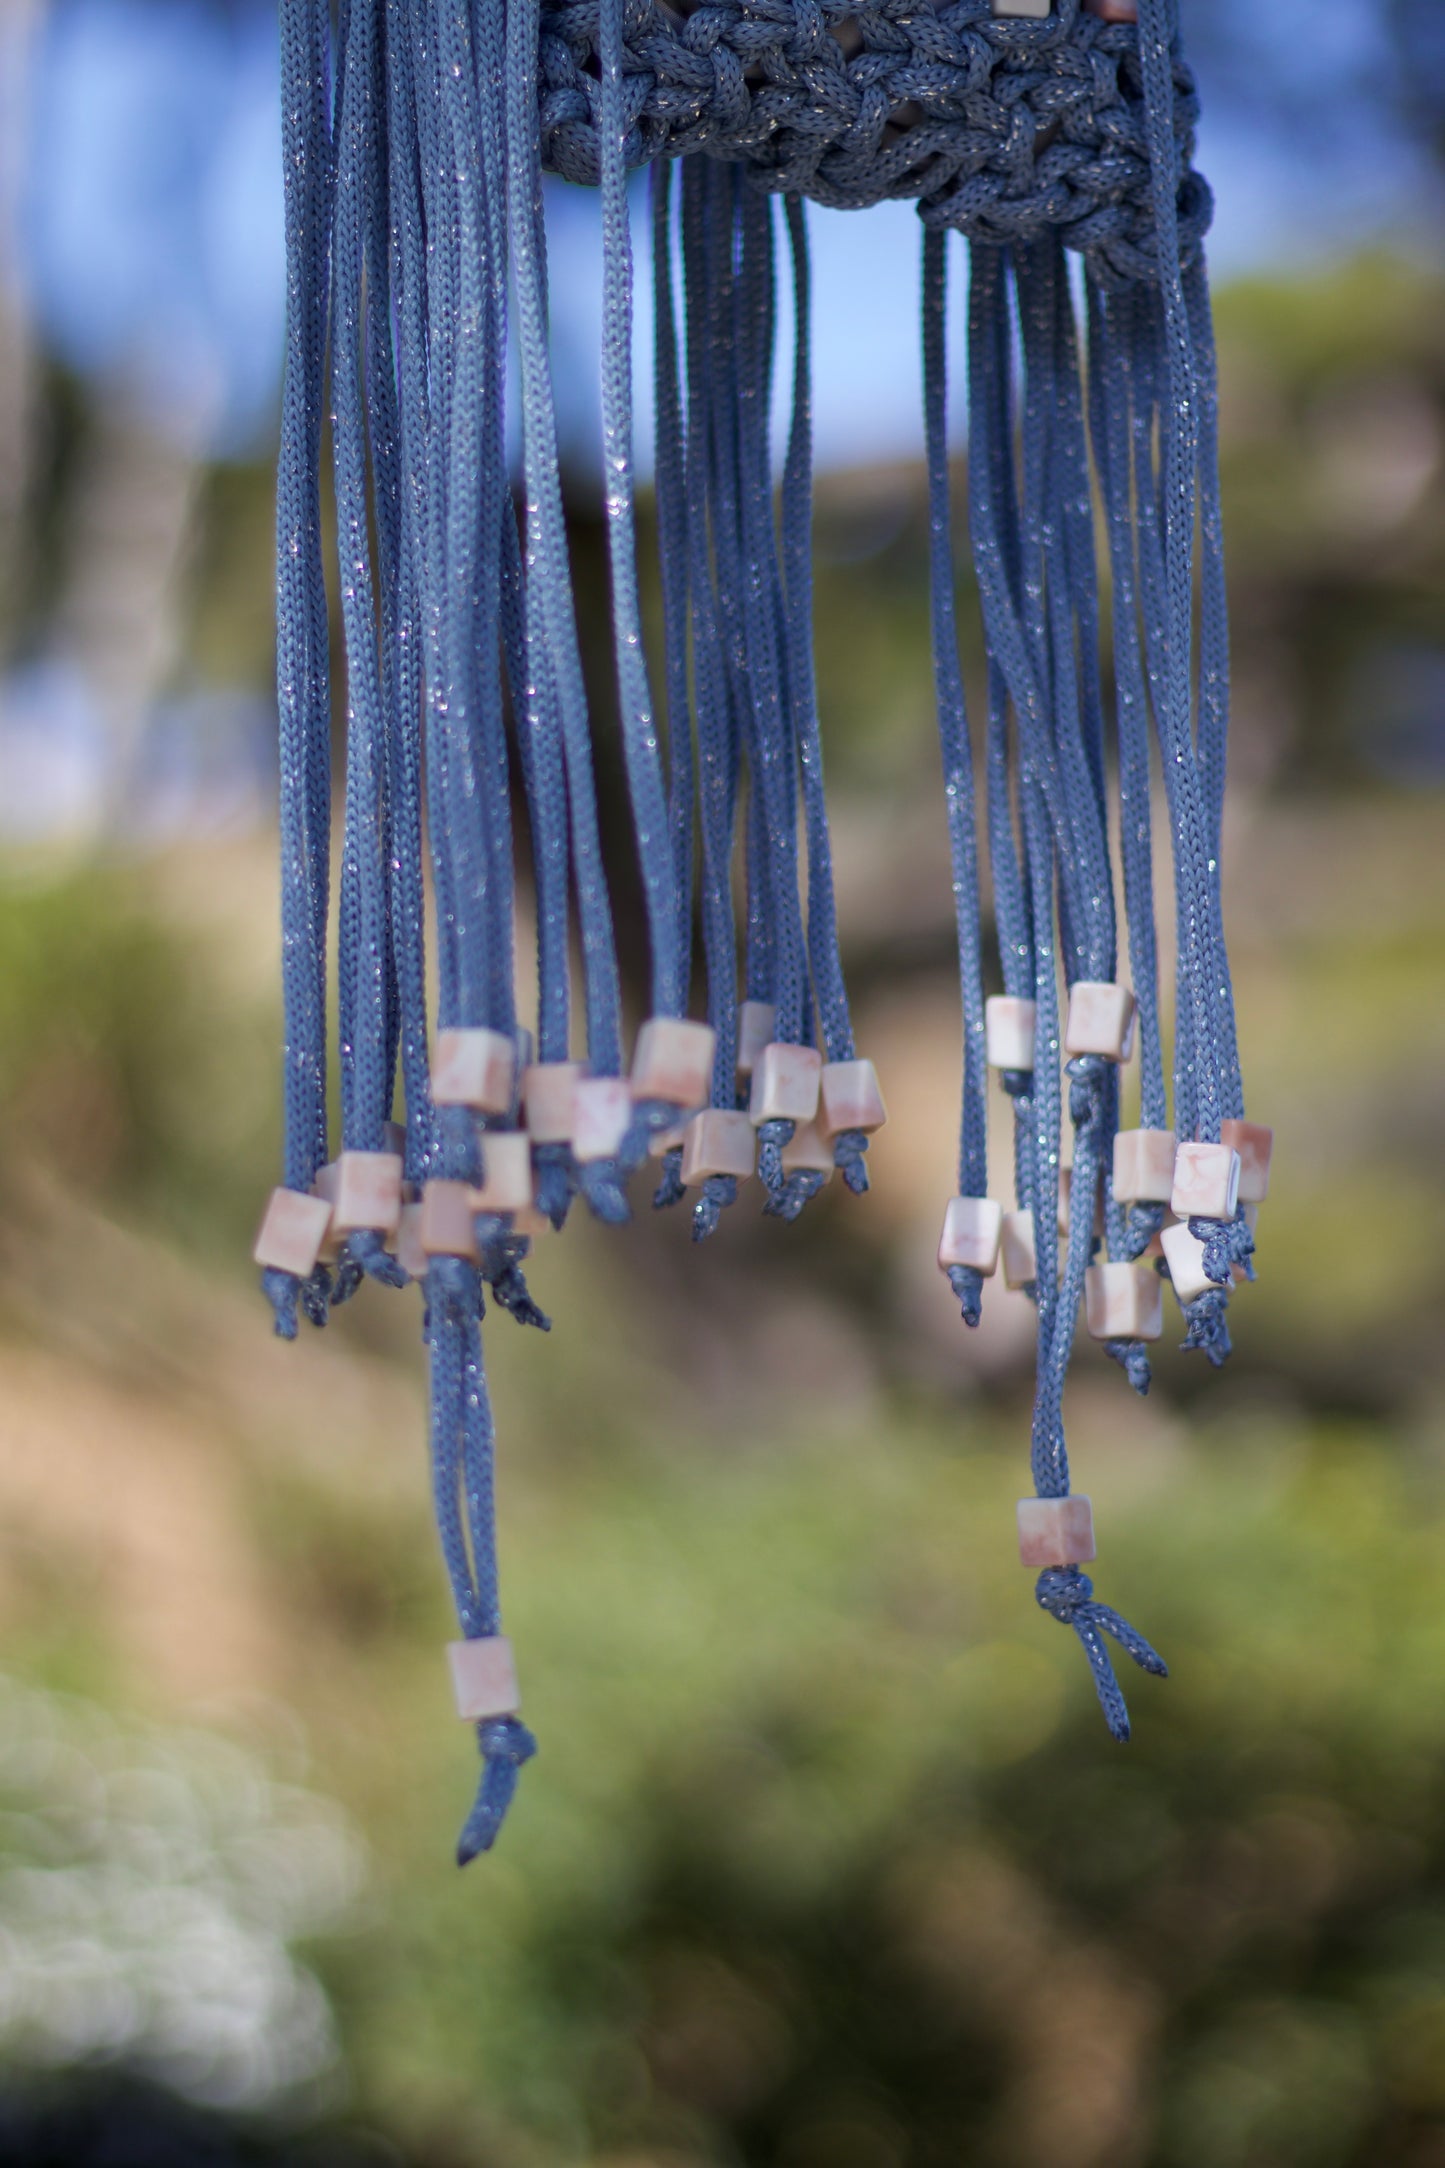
[[1001, 128]]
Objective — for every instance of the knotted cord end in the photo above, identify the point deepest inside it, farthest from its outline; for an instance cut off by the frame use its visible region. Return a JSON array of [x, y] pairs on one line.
[[1133, 1359], [848, 1157], [283, 1291], [967, 1284], [368, 1252], [505, 1744], [1228, 1247], [1067, 1594], [718, 1192], [669, 1190], [556, 1182], [772, 1136], [1207, 1318]]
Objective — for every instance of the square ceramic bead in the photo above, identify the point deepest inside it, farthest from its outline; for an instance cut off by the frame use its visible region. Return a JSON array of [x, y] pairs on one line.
[[548, 1091], [1144, 1166], [1017, 1252], [1113, 11], [849, 1098], [1056, 1531], [673, 1060], [368, 1192], [972, 1232], [484, 1677], [601, 1117], [506, 1184], [663, 1141], [1123, 1302], [785, 1084], [1184, 1255], [756, 1020], [292, 1232], [473, 1068], [1100, 1019], [1008, 1029], [808, 1150], [446, 1220], [527, 1220], [410, 1255], [718, 1141], [1254, 1144], [1206, 1181], [1035, 10]]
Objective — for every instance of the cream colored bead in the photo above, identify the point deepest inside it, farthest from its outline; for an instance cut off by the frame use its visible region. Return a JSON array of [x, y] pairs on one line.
[[1008, 1029], [1184, 1255], [446, 1220], [663, 1141], [410, 1255], [673, 1060], [506, 1184], [808, 1150], [756, 1020], [1031, 10], [849, 1098], [549, 1089], [1255, 1146], [527, 1220], [472, 1067], [1123, 1302], [1144, 1166], [1113, 11], [368, 1192], [1056, 1531], [292, 1231], [1100, 1019], [325, 1186], [601, 1117], [1017, 1252], [484, 1677], [718, 1141], [785, 1084], [972, 1232], [1206, 1181]]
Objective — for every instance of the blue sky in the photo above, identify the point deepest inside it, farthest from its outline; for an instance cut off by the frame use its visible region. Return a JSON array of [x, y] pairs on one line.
[[152, 218]]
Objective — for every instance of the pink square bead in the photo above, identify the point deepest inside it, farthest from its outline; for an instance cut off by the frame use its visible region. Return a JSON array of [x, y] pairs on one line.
[[292, 1232], [1008, 1029], [506, 1172], [1206, 1181], [849, 1098], [1123, 1302], [1017, 1251], [1255, 1145], [663, 1141], [1100, 1020], [1113, 11], [484, 1677], [549, 1089], [601, 1117], [673, 1060], [368, 1192], [718, 1141], [808, 1150], [410, 1255], [527, 1220], [756, 1020], [1056, 1531], [972, 1232], [1144, 1166], [473, 1068], [446, 1220], [785, 1084], [1184, 1255]]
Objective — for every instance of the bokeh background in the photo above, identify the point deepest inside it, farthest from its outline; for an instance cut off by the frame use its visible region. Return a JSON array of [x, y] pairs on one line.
[[827, 1861]]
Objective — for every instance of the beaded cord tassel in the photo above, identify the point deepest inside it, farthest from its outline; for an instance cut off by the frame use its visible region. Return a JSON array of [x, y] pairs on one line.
[[415, 142]]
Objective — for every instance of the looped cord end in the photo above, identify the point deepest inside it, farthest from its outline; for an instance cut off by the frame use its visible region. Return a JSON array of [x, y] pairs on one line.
[[772, 1136], [967, 1284], [367, 1250], [284, 1292], [648, 1116], [1133, 1359], [848, 1150], [1208, 1320], [669, 1190], [1067, 1594], [556, 1182], [718, 1192], [505, 1743], [601, 1183], [1228, 1246], [799, 1188], [1142, 1223]]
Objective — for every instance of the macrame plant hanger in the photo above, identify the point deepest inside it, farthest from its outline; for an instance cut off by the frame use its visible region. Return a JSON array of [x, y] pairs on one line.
[[1056, 140]]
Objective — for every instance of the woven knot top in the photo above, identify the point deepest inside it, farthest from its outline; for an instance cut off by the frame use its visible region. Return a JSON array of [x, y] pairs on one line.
[[1002, 128]]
